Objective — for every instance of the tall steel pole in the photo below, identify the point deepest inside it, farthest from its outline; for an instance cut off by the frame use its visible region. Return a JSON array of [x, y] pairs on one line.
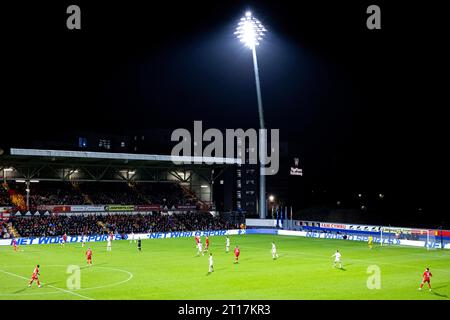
[[28, 194], [250, 31], [262, 142]]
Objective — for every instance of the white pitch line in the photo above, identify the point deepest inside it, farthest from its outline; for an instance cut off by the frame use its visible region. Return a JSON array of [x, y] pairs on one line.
[[63, 290]]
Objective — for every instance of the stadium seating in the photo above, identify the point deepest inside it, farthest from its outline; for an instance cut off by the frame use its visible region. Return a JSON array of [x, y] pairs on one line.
[[4, 197], [101, 193], [49, 193], [3, 230], [120, 223]]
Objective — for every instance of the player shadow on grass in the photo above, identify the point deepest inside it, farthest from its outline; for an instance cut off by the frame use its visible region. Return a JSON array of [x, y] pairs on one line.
[[442, 286], [342, 268], [348, 264], [93, 265], [218, 269], [439, 295], [26, 288], [19, 291]]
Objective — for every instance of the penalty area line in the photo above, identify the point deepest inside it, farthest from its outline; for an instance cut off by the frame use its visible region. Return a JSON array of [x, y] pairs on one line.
[[63, 290]]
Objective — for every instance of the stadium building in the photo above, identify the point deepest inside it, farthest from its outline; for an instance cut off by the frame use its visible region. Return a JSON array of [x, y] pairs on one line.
[[233, 189], [38, 181]]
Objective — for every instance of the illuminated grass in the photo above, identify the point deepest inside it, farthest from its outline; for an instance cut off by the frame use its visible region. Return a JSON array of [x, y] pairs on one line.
[[170, 269]]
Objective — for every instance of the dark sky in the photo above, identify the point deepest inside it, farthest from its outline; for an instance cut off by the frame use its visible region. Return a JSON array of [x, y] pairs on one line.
[[364, 106]]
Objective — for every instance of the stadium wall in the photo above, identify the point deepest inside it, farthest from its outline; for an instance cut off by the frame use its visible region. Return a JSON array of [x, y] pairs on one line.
[[330, 230], [365, 238], [101, 238], [46, 210], [180, 234]]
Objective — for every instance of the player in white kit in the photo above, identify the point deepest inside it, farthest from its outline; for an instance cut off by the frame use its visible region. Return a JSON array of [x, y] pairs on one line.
[[132, 237], [200, 249], [337, 259], [274, 251], [108, 245], [227, 245], [83, 240], [211, 263]]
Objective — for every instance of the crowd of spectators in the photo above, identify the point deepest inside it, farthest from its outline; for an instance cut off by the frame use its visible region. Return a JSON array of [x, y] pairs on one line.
[[111, 193], [35, 226], [3, 231], [55, 225], [4, 197], [165, 194], [101, 193], [141, 193], [50, 193]]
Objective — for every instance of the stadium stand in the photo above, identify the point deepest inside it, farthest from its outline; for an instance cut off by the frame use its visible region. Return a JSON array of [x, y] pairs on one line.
[[49, 193], [119, 193], [118, 223], [4, 196], [173, 193], [3, 230]]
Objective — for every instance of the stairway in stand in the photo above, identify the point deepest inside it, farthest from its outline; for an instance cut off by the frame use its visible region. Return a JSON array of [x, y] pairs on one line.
[[139, 194], [15, 197], [17, 200], [86, 197], [189, 193], [104, 227], [12, 230]]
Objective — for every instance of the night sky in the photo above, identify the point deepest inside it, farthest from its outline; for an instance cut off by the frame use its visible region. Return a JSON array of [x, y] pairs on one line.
[[363, 105]]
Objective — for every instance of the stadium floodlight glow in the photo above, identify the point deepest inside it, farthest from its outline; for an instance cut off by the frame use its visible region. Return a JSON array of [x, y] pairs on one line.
[[34, 181], [271, 198], [8, 169], [131, 172], [250, 31], [20, 181]]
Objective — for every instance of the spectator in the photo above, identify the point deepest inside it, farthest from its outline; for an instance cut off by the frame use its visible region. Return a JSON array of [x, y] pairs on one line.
[[118, 223]]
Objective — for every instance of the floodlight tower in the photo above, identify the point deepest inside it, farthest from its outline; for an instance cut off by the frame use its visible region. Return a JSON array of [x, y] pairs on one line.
[[250, 31]]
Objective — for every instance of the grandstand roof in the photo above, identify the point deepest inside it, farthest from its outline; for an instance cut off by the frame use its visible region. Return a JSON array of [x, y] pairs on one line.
[[65, 156], [56, 164]]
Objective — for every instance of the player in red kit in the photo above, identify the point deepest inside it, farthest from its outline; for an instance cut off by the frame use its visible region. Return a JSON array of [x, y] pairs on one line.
[[197, 240], [89, 256], [64, 239], [206, 244], [35, 277], [236, 254], [14, 243], [426, 278]]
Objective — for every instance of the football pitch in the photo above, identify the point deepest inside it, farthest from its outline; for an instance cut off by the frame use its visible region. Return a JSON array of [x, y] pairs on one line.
[[171, 269]]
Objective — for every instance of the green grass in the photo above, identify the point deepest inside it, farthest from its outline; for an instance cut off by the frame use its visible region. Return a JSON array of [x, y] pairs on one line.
[[170, 269]]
